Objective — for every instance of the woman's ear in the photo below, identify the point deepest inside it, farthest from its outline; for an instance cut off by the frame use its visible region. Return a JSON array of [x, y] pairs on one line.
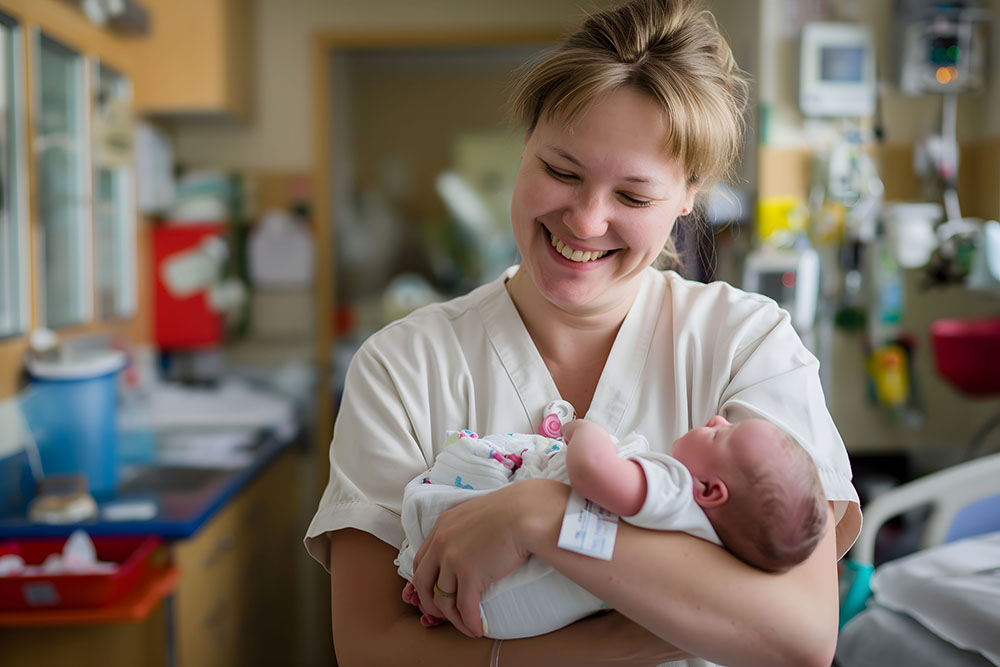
[[694, 184], [711, 492]]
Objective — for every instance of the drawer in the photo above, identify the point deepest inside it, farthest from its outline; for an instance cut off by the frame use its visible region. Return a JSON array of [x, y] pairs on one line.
[[204, 607]]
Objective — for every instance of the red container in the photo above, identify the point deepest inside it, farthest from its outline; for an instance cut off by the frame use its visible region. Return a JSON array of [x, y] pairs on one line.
[[967, 354], [189, 322], [133, 554]]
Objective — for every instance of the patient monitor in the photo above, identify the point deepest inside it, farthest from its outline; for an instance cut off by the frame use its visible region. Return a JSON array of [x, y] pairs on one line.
[[837, 70], [790, 277]]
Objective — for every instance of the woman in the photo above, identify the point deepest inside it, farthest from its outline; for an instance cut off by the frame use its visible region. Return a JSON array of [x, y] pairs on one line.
[[625, 124]]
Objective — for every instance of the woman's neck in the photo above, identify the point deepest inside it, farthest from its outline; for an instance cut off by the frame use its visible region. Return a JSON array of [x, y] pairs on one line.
[[574, 345]]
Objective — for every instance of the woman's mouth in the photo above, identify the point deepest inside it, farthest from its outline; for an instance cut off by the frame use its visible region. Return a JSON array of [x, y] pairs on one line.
[[572, 255]]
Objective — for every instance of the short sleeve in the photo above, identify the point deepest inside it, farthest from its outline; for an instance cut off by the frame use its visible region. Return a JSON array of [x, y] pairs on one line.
[[373, 455], [774, 376]]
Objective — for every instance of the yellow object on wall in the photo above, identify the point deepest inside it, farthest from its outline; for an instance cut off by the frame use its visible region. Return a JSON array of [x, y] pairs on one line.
[[780, 217], [888, 366]]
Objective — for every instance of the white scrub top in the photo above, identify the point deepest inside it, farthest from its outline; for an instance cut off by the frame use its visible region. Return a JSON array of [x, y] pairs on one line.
[[685, 352]]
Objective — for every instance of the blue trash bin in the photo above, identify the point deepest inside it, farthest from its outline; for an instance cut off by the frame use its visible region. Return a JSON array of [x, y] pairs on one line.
[[70, 407]]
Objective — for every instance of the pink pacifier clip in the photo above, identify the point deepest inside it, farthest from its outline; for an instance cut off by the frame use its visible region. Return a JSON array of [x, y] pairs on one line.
[[556, 414]]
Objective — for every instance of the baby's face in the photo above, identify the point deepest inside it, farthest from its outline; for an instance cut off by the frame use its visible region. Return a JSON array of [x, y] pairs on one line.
[[709, 449]]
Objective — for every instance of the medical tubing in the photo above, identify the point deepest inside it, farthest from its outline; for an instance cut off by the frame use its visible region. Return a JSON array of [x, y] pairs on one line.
[[495, 653]]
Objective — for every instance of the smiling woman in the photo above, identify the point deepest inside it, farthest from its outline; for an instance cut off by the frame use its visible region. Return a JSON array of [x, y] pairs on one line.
[[626, 122]]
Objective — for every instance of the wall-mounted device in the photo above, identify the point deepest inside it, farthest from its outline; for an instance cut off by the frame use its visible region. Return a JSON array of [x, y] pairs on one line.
[[942, 49], [790, 277], [837, 70]]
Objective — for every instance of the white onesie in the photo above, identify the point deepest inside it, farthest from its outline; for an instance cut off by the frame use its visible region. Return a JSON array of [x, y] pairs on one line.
[[535, 598]]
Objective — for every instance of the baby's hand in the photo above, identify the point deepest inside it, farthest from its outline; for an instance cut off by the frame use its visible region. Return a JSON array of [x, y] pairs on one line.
[[589, 451], [583, 429], [410, 597], [596, 471], [589, 434]]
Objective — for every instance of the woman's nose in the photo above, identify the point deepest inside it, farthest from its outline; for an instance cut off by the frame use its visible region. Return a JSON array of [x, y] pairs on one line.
[[587, 216]]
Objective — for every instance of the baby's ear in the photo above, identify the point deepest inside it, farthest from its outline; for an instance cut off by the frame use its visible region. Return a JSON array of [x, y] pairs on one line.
[[711, 492]]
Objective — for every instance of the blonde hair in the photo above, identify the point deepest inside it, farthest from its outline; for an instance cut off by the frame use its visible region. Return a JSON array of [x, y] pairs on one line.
[[670, 50], [776, 514]]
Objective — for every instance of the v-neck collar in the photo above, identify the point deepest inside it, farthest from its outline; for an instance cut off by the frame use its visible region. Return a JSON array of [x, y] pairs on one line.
[[620, 377]]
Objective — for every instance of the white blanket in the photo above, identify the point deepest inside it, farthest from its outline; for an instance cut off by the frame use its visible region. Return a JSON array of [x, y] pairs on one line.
[[534, 599]]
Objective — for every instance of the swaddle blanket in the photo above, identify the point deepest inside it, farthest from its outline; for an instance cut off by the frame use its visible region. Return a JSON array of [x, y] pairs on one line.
[[535, 598]]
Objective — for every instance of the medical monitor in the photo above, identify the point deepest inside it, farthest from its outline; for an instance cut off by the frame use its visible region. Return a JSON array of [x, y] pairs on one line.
[[837, 70], [790, 277]]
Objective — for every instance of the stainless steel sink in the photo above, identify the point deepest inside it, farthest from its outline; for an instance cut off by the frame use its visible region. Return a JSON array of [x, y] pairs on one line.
[[167, 478]]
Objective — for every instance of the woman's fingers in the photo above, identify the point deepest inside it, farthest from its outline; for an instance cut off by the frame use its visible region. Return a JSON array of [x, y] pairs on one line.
[[470, 546], [424, 577], [444, 601], [467, 608], [437, 586]]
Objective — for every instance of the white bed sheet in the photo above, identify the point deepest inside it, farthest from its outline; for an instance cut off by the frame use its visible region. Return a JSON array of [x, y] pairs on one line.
[[948, 604]]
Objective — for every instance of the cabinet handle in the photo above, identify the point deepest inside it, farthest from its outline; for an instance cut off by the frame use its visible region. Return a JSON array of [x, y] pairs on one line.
[[214, 617], [226, 543]]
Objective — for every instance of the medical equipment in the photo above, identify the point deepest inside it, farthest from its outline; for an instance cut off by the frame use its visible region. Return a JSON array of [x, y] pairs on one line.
[[909, 231], [837, 70], [790, 277], [942, 48], [942, 51]]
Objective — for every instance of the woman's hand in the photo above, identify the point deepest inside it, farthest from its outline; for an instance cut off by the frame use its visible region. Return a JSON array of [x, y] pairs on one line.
[[479, 542]]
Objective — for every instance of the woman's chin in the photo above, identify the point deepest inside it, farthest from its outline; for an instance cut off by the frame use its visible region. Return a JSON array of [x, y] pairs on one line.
[[571, 292]]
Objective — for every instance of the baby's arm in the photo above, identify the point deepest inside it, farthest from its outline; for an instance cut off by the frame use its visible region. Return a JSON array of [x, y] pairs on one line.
[[596, 471]]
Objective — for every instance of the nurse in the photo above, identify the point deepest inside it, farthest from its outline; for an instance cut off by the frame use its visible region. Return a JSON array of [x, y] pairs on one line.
[[626, 123]]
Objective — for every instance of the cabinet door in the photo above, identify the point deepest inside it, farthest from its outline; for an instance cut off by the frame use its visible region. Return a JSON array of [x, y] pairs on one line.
[[101, 645], [270, 548], [206, 631], [196, 59], [237, 601], [61, 155], [14, 316]]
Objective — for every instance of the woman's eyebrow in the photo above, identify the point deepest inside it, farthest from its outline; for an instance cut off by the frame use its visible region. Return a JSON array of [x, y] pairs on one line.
[[563, 153]]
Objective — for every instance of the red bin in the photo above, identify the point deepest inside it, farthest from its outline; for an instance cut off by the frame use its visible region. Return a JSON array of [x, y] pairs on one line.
[[967, 354], [134, 556]]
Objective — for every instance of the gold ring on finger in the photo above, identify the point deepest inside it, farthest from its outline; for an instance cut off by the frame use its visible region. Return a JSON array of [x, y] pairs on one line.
[[444, 594]]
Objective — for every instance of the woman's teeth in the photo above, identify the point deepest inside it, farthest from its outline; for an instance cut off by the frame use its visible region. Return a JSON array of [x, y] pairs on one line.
[[576, 255]]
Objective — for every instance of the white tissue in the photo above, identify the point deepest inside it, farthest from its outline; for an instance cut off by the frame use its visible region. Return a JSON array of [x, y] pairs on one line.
[[79, 551], [78, 557], [11, 564]]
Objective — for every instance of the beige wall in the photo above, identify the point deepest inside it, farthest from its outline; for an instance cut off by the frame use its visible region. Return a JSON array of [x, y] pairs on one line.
[[279, 135]]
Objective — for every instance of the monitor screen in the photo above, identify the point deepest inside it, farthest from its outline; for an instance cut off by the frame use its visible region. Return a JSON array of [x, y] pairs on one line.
[[842, 64]]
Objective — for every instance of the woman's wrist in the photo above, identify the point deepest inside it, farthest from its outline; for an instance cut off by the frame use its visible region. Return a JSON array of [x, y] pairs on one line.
[[540, 509]]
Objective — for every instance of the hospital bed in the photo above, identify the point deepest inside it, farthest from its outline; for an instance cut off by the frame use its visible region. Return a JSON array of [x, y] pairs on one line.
[[940, 605]]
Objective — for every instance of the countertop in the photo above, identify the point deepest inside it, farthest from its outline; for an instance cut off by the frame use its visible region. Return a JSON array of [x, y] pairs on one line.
[[184, 497]]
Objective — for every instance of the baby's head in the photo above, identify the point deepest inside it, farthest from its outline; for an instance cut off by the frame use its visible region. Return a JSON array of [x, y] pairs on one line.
[[758, 487]]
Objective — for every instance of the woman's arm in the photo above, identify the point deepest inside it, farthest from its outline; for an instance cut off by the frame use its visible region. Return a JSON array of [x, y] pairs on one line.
[[690, 593], [699, 597], [372, 626]]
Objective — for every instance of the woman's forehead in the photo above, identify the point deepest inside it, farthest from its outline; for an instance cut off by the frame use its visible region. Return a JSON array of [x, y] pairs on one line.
[[625, 133]]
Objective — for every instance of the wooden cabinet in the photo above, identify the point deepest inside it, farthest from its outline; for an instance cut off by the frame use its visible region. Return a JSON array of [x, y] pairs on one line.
[[236, 601], [105, 645], [196, 59]]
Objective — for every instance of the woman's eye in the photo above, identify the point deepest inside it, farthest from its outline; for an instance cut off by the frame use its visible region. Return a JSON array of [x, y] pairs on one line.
[[636, 203], [561, 175]]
